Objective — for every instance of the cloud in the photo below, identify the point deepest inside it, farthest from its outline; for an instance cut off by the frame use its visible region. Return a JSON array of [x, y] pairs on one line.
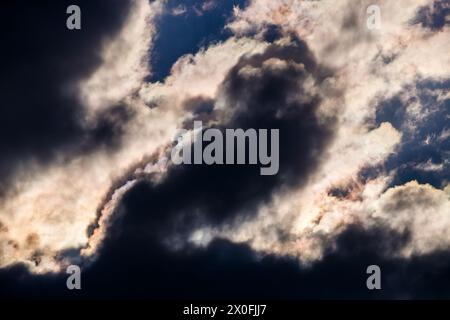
[[403, 208], [273, 95], [179, 10], [303, 222], [351, 104], [57, 200], [75, 192], [124, 64], [41, 114], [136, 269]]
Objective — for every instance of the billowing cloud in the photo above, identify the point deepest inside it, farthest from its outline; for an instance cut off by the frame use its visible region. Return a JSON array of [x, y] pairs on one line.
[[77, 192], [363, 120], [55, 202], [311, 217]]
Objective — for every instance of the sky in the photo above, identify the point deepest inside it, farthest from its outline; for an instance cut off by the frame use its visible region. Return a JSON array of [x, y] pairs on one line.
[[88, 119]]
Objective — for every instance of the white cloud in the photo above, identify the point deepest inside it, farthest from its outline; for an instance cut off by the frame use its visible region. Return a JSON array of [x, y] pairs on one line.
[[125, 60]]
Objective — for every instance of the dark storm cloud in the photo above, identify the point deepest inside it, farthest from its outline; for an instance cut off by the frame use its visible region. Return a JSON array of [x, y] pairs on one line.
[[134, 262], [434, 17], [133, 268], [190, 195], [213, 194], [40, 62], [426, 140]]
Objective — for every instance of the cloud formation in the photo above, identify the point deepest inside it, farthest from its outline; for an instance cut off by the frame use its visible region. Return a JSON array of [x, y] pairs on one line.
[[364, 145]]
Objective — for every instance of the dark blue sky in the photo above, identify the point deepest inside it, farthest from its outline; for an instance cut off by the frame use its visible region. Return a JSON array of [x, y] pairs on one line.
[[413, 149], [186, 33]]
